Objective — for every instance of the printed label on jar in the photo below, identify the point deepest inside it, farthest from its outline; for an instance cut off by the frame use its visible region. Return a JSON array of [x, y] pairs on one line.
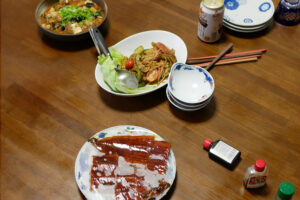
[[210, 23], [256, 181], [224, 151]]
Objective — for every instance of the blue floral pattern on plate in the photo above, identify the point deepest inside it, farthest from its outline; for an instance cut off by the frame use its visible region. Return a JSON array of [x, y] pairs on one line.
[[247, 13], [264, 7], [101, 135], [248, 20], [231, 4]]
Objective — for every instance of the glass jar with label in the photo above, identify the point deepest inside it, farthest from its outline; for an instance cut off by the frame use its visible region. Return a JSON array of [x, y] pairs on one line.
[[222, 153], [256, 175]]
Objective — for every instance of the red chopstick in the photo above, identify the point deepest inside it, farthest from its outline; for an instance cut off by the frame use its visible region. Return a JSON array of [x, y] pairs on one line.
[[232, 60], [225, 57], [229, 55]]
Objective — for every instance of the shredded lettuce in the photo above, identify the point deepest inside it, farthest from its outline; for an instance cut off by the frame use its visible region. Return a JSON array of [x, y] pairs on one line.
[[110, 75]]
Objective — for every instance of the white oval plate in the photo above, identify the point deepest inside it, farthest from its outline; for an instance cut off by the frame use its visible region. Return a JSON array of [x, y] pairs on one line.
[[84, 161], [129, 44]]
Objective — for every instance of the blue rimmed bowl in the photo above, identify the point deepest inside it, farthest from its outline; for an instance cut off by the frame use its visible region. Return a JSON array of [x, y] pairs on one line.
[[190, 84]]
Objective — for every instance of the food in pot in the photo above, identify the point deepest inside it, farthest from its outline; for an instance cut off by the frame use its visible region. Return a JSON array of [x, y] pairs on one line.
[[72, 16]]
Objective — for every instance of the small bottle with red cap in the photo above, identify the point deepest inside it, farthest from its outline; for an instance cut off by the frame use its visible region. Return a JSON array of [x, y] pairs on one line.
[[222, 153], [256, 175]]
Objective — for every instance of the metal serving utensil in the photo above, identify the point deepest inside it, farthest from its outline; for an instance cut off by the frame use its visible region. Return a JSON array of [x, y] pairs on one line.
[[126, 77]]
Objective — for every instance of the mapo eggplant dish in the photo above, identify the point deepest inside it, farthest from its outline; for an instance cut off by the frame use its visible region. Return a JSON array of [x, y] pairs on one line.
[[72, 16]]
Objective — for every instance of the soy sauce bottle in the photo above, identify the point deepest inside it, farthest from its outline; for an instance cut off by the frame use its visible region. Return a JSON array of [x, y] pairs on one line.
[[222, 153]]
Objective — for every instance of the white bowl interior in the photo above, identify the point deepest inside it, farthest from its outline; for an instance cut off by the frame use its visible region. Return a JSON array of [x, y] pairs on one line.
[[190, 84]]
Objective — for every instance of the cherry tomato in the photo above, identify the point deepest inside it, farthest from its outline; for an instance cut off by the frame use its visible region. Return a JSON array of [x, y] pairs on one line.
[[129, 64]]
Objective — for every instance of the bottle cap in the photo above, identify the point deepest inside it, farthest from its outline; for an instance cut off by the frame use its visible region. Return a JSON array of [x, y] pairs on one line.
[[260, 165], [206, 144], [286, 190], [213, 4]]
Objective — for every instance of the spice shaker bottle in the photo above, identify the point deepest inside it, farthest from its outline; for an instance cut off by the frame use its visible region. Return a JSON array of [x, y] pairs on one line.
[[256, 175], [222, 153], [285, 191]]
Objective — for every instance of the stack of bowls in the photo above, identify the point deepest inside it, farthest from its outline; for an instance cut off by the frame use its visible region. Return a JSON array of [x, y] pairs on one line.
[[248, 16], [190, 87]]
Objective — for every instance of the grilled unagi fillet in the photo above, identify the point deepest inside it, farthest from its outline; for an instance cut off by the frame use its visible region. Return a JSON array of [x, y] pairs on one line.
[[137, 149], [102, 171]]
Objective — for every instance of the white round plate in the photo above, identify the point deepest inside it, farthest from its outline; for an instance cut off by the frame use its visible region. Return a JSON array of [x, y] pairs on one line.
[[250, 28], [247, 30], [248, 12], [84, 160], [129, 44]]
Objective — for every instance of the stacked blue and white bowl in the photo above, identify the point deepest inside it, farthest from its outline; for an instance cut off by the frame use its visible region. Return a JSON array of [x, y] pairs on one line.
[[190, 87], [248, 16]]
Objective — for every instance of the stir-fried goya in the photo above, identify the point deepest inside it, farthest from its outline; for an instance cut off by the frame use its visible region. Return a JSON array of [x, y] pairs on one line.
[[71, 16], [150, 65]]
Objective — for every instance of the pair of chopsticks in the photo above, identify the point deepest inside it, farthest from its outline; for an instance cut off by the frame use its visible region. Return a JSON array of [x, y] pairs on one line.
[[223, 58]]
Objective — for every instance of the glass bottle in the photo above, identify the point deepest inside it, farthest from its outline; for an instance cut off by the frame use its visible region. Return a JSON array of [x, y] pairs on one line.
[[222, 153], [256, 175], [285, 191]]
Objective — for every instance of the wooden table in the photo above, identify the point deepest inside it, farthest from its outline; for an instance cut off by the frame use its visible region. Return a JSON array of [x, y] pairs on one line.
[[51, 104]]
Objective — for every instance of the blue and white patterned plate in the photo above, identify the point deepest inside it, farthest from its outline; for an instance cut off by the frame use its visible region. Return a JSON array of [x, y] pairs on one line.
[[247, 13], [248, 29], [84, 160]]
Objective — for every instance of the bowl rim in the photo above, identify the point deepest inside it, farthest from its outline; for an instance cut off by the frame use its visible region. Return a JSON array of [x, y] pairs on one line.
[[195, 67], [37, 16], [190, 105]]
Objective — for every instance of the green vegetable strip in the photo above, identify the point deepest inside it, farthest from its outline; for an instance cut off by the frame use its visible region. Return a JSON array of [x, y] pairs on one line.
[[75, 12]]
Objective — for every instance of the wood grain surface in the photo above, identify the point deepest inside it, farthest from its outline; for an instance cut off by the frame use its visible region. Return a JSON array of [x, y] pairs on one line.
[[51, 104]]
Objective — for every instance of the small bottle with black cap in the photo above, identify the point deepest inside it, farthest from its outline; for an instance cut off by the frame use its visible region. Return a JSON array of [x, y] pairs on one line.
[[222, 153]]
